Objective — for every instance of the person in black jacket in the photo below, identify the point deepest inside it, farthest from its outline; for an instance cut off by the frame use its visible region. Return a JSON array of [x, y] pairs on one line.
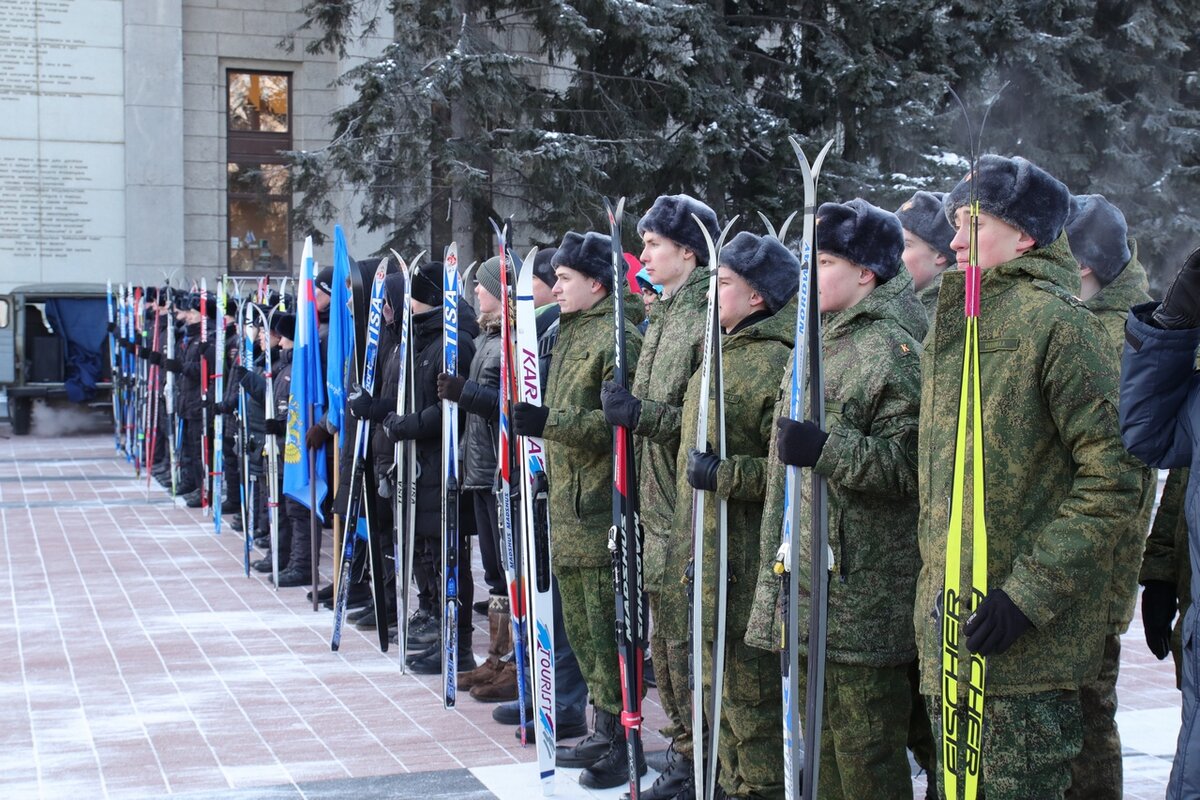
[[423, 426]]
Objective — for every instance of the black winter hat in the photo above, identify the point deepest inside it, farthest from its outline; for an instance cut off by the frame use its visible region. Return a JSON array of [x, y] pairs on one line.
[[1017, 191], [284, 325], [1098, 235], [671, 216], [865, 234], [589, 254], [393, 290], [542, 266], [922, 216], [427, 283], [324, 280], [210, 303], [766, 264]]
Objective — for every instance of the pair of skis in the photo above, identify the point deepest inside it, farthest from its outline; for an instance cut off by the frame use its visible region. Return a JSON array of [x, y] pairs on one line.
[[450, 482], [804, 753], [360, 484]]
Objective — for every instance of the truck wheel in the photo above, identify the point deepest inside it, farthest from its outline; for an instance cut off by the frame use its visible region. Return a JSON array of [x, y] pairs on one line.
[[20, 412]]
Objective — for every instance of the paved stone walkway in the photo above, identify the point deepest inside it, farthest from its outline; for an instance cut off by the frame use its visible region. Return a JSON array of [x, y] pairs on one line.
[[141, 662]]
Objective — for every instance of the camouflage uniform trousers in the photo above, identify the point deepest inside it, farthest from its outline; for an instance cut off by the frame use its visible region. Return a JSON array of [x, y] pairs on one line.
[[1028, 743], [863, 731], [590, 619], [671, 673], [751, 745], [1096, 773]]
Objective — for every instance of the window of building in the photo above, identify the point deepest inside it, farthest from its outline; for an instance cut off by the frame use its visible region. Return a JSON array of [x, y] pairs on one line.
[[258, 205]]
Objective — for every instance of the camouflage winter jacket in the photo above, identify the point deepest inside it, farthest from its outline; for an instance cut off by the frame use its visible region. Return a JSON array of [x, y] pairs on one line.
[[1059, 482], [872, 390], [1166, 556], [1111, 305], [671, 352], [929, 295], [754, 360], [579, 442]]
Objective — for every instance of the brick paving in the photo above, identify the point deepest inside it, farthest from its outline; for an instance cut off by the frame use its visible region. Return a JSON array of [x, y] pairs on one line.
[[141, 662]]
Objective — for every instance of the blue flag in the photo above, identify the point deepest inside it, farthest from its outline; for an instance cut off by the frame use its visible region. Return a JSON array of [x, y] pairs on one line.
[[306, 400], [341, 336]]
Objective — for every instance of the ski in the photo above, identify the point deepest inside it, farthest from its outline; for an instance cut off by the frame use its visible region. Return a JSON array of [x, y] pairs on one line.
[[204, 472], [358, 466], [712, 391], [271, 446], [113, 373], [139, 371], [506, 455], [405, 458], [625, 535], [963, 719], [535, 528], [169, 396], [450, 482], [155, 373], [218, 455], [798, 752], [245, 323]]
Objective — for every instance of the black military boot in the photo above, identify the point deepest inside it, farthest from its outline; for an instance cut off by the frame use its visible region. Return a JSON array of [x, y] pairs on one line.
[[594, 747], [675, 779], [613, 768]]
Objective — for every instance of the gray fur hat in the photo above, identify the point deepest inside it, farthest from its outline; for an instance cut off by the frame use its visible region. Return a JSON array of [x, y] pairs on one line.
[[588, 253], [865, 234], [922, 216], [1017, 191], [1098, 235], [671, 216], [766, 264]]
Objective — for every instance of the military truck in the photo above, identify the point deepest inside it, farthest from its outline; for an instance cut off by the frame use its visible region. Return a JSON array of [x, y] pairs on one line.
[[53, 347]]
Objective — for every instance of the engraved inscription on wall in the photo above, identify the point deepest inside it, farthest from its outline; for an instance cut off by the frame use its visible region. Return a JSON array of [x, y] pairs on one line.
[[62, 118]]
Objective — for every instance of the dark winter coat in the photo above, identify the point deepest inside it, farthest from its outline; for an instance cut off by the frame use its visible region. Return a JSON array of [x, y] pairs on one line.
[[481, 400], [190, 405], [1160, 424], [578, 439]]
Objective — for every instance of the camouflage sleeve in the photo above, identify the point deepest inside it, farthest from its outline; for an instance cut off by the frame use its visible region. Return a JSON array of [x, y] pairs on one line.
[[660, 423], [1079, 387], [883, 459], [584, 428], [742, 477], [1158, 562]]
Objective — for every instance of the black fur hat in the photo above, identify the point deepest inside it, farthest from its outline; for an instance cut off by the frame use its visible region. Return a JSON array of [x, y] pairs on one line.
[[922, 216], [589, 253], [766, 264], [865, 234], [324, 280], [671, 216], [1098, 235], [1017, 191]]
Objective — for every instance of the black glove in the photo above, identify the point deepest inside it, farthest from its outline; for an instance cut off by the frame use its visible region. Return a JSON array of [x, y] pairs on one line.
[[995, 625], [235, 374], [702, 470], [360, 405], [139, 351], [393, 426], [154, 357], [799, 444], [112, 327], [246, 379], [1159, 603], [1180, 309], [317, 437], [450, 387], [276, 427], [207, 350], [173, 364], [529, 420], [620, 407], [224, 407]]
